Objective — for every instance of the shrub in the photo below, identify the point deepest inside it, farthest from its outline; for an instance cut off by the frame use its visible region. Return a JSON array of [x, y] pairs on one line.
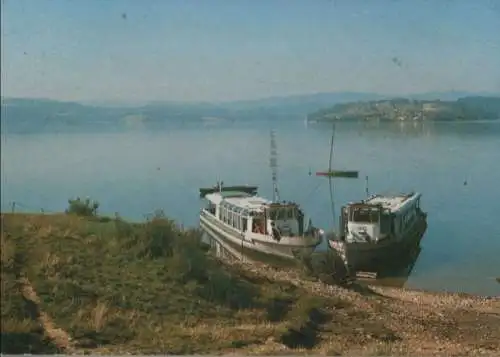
[[160, 236], [85, 208]]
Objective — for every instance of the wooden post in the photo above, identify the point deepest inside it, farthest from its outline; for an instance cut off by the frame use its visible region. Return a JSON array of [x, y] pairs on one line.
[[13, 206]]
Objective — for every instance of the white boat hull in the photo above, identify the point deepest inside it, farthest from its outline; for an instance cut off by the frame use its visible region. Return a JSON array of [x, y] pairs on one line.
[[287, 247]]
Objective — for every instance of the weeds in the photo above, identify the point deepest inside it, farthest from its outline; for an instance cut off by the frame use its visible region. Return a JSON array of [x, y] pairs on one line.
[[108, 282]]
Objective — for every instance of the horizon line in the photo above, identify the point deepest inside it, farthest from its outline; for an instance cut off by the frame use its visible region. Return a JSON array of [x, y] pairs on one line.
[[229, 101]]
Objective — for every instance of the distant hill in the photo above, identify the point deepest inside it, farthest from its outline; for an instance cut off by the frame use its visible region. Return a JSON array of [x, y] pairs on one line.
[[25, 115], [467, 108], [296, 105], [40, 115], [303, 104]]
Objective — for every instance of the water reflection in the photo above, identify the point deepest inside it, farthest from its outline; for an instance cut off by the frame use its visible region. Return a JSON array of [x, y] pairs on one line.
[[416, 128]]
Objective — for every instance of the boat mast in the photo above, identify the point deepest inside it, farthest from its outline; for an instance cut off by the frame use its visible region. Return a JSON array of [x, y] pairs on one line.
[[273, 163], [333, 174]]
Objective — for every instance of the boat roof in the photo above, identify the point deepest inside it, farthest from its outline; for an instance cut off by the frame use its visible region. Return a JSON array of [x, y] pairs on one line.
[[217, 197], [237, 198], [242, 200], [253, 203], [393, 203]]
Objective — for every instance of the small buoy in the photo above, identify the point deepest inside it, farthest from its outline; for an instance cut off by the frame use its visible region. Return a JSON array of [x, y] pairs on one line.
[[465, 183]]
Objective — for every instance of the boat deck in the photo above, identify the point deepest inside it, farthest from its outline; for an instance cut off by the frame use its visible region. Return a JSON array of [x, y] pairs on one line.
[[250, 203], [391, 202], [239, 199]]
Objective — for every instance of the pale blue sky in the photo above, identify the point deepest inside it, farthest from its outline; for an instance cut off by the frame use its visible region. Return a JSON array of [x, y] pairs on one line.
[[237, 49]]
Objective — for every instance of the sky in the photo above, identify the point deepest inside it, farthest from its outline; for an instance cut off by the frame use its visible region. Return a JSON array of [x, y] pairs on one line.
[[221, 50]]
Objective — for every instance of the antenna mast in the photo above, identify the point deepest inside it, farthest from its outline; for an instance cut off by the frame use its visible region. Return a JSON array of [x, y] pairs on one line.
[[330, 174], [273, 163]]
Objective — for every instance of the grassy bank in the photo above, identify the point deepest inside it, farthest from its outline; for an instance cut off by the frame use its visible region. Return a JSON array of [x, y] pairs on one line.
[[76, 284]]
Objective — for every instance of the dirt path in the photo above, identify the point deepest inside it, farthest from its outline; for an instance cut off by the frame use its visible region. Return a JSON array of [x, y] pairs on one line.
[[58, 337]]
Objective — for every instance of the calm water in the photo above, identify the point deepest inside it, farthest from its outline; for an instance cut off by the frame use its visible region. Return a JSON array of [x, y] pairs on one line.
[[136, 172]]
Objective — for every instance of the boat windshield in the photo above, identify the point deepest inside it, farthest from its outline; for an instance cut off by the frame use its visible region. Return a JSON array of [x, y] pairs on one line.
[[364, 215], [283, 213]]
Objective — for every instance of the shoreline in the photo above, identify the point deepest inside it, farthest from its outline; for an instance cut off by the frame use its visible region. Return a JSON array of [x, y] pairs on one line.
[[409, 307], [294, 274]]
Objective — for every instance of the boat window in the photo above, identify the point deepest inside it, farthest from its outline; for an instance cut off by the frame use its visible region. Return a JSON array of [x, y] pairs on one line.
[[258, 224], [385, 223], [364, 215], [408, 217], [283, 213]]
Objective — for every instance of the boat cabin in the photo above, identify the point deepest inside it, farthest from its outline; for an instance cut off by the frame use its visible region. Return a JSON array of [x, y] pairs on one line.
[[379, 217], [250, 213]]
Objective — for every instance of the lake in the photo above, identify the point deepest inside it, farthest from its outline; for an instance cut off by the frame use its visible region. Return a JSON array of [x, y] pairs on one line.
[[454, 165]]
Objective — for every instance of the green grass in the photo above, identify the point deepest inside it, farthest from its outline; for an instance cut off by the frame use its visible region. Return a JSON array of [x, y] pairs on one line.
[[20, 333], [117, 287], [148, 288]]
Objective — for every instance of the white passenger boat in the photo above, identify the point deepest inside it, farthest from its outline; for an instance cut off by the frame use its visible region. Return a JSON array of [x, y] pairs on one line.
[[249, 223], [253, 225], [379, 229]]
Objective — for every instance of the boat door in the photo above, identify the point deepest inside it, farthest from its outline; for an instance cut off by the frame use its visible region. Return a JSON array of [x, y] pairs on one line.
[[344, 217]]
